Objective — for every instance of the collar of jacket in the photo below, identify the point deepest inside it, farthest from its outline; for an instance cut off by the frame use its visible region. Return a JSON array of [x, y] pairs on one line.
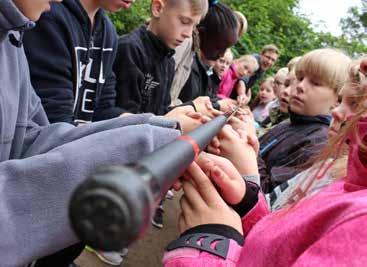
[[77, 9], [160, 49], [201, 64], [301, 119]]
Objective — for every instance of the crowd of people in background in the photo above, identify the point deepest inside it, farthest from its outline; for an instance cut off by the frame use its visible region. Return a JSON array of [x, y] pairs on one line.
[[284, 183]]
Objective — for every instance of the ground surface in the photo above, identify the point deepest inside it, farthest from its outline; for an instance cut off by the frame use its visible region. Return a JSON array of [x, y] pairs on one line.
[[148, 251]]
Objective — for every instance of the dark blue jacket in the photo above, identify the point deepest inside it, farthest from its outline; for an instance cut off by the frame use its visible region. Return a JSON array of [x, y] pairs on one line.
[[286, 149], [144, 70], [65, 57]]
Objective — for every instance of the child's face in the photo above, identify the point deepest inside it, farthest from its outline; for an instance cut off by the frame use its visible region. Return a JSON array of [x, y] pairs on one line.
[[222, 65], [266, 93], [33, 9], [350, 99], [348, 102], [214, 46], [279, 86], [174, 23], [286, 91], [267, 60], [115, 5], [311, 98], [245, 69]]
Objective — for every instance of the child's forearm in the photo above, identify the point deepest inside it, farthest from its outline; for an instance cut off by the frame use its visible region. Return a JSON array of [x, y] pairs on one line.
[[241, 88]]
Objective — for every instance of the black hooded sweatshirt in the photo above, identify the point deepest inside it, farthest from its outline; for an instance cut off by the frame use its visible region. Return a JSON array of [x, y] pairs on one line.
[[71, 64], [199, 84], [144, 70]]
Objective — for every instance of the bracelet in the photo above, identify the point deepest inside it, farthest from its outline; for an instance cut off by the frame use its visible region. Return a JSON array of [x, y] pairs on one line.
[[255, 178], [202, 242]]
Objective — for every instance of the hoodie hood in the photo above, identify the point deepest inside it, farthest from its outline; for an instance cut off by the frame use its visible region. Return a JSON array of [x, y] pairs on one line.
[[76, 8], [11, 18]]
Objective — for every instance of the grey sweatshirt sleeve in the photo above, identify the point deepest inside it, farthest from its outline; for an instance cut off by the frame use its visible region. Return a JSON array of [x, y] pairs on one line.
[[54, 159], [35, 191], [41, 137]]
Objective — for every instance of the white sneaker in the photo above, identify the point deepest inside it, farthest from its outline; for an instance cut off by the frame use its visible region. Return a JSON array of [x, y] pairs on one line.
[[170, 194], [111, 258], [123, 252]]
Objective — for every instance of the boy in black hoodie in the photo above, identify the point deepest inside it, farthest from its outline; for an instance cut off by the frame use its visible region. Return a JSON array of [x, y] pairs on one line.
[[70, 52], [144, 65]]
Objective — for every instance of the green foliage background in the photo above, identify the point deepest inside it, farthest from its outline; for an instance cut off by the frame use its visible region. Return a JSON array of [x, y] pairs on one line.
[[273, 21]]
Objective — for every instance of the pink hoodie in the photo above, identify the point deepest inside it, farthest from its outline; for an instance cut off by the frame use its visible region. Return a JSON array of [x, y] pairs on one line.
[[229, 80], [326, 229]]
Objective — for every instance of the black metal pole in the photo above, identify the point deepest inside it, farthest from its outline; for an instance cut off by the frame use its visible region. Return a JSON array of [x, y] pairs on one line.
[[113, 208]]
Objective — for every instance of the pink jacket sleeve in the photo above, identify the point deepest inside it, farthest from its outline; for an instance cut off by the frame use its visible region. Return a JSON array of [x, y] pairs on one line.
[[339, 247], [260, 210], [224, 86], [227, 83], [190, 257]]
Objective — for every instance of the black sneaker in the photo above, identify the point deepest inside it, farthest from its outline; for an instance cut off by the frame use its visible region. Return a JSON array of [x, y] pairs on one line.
[[157, 220]]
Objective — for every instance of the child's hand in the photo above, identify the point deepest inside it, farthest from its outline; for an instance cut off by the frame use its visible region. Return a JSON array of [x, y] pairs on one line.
[[245, 114], [243, 98], [248, 127], [227, 104], [205, 107], [126, 114], [188, 119], [202, 204], [214, 146], [225, 176], [240, 147]]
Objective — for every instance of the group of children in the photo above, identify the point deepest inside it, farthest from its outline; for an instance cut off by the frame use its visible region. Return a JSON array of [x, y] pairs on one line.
[[321, 220], [75, 73], [233, 79]]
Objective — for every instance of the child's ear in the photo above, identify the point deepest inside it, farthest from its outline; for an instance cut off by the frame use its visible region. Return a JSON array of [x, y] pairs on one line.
[[157, 8]]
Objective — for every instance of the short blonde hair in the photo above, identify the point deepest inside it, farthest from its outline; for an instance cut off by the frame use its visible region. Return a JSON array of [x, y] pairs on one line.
[[282, 71], [197, 6], [270, 48], [250, 59], [269, 79], [292, 63], [229, 53], [242, 23], [329, 66]]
